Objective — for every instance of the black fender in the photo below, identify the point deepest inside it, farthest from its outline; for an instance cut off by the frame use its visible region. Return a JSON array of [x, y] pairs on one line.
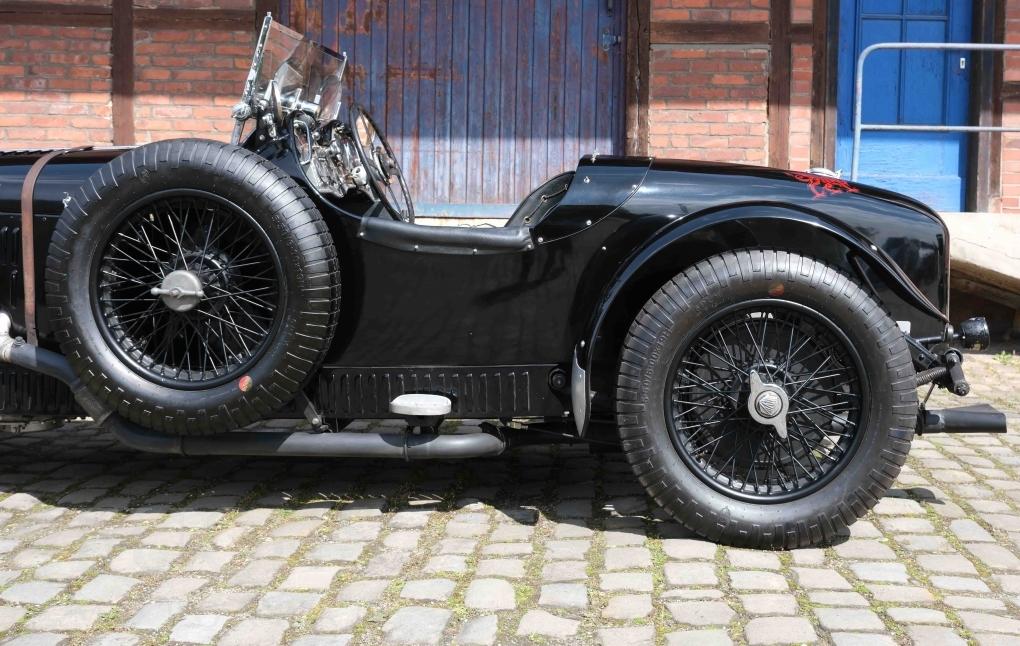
[[713, 231]]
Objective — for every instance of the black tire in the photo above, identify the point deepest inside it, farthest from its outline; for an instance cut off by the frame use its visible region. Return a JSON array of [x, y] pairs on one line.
[[668, 325], [257, 199]]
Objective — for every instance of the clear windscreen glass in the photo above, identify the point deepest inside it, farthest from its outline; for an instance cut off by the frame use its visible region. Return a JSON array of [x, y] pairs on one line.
[[302, 69]]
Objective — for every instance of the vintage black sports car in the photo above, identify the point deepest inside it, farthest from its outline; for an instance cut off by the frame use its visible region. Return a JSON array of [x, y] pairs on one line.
[[752, 339]]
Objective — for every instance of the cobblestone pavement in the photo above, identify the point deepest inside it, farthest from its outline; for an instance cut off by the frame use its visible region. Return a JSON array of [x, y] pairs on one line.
[[101, 545]]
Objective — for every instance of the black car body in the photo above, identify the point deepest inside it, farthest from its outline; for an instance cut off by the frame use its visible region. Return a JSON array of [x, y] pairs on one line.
[[596, 256]]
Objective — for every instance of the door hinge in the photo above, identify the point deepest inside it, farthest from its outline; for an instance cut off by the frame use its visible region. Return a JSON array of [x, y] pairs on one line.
[[609, 39]]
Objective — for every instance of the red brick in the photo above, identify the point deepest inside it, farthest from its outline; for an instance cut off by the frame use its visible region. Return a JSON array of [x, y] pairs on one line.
[[727, 129]]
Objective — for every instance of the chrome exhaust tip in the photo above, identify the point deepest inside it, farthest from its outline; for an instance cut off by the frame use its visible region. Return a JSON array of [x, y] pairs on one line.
[[7, 342], [979, 418]]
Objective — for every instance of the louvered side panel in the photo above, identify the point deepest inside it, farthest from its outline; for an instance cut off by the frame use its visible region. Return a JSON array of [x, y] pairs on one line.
[[10, 245], [30, 394], [486, 392], [12, 289]]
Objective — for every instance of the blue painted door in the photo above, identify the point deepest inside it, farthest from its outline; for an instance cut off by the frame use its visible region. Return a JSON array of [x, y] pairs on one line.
[[484, 99], [907, 87]]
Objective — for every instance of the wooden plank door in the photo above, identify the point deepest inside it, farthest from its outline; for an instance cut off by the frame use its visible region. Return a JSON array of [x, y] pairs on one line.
[[484, 99]]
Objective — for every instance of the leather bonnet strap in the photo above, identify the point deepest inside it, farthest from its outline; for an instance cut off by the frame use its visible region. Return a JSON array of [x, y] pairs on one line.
[[28, 236]]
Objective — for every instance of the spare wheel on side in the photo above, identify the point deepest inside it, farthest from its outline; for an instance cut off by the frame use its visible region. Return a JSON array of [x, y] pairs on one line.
[[193, 285]]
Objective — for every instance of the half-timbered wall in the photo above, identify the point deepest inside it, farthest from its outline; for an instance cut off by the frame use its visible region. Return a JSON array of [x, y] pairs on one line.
[[120, 71], [730, 80]]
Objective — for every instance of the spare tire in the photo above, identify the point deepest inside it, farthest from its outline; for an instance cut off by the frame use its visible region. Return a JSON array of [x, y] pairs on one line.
[[193, 286]]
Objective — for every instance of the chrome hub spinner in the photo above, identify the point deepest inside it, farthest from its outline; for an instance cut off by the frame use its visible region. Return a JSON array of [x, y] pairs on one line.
[[768, 404], [180, 290]]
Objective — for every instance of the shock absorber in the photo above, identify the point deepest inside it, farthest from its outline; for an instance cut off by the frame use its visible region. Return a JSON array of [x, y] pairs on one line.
[[950, 373], [931, 374]]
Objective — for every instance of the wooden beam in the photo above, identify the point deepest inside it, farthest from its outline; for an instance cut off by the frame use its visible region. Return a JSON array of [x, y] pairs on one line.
[[72, 15], [58, 15], [16, 6], [313, 20], [262, 7], [297, 16], [1011, 90], [802, 33], [122, 72], [825, 56], [780, 82], [638, 51], [678, 32], [984, 186], [229, 19]]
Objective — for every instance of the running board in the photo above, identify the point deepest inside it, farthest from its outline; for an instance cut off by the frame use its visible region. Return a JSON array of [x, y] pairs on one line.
[[979, 418]]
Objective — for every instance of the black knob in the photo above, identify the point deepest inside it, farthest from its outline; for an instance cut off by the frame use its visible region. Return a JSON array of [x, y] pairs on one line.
[[973, 333], [558, 379]]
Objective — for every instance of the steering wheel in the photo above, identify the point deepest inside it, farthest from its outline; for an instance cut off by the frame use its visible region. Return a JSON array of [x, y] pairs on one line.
[[381, 165]]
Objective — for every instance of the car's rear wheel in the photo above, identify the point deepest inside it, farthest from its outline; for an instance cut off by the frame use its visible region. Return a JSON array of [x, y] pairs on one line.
[[194, 286], [764, 399]]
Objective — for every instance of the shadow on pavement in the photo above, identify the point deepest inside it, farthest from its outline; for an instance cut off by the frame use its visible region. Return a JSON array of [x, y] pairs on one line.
[[81, 468]]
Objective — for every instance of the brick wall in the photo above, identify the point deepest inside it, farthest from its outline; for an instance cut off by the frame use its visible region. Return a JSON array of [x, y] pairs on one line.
[[54, 86], [55, 80], [711, 10], [186, 81], [800, 107], [706, 101], [709, 101]]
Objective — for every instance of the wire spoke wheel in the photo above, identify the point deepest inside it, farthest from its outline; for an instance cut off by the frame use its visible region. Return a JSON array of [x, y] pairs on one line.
[[195, 286], [765, 399], [188, 289], [803, 357]]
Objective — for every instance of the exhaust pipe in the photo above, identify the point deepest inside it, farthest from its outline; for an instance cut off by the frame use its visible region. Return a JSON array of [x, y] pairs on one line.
[[980, 418], [405, 446], [36, 359], [15, 351], [355, 445]]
